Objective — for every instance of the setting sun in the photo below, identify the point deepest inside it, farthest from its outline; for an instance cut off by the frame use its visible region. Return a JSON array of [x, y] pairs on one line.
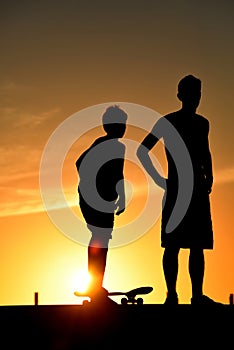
[[81, 281]]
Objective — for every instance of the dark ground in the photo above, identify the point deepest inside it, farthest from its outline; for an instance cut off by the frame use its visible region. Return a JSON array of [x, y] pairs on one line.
[[65, 327]]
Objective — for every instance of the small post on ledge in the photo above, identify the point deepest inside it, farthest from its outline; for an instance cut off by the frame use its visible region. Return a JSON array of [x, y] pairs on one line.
[[36, 298]]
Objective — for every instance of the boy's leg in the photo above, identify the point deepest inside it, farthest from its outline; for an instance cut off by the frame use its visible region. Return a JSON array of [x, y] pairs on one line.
[[97, 255], [97, 265]]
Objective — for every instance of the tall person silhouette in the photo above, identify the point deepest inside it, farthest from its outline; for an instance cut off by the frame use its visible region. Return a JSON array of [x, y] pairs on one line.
[[101, 193], [194, 230]]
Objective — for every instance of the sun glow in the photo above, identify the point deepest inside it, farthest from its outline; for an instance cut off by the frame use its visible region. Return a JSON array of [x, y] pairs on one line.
[[81, 281]]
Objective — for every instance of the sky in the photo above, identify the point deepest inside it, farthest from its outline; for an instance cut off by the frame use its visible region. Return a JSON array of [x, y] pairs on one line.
[[65, 61]]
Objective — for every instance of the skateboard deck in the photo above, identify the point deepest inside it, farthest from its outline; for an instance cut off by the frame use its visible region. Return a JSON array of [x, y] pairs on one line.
[[129, 297]]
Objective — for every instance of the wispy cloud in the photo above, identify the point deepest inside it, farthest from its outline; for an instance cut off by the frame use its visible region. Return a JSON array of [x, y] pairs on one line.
[[9, 85], [22, 139], [35, 119], [18, 201], [15, 201], [14, 119], [225, 175]]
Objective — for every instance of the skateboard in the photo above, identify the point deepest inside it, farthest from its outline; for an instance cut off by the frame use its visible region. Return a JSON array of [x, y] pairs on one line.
[[129, 297]]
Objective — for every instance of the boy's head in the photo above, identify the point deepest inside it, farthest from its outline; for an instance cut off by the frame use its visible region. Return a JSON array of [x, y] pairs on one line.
[[189, 91], [114, 121]]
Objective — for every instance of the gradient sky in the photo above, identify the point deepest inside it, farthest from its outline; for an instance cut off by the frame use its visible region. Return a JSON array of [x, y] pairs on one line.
[[59, 57]]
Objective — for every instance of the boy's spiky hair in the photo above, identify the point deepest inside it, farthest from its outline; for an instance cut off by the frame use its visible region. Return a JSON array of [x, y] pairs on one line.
[[114, 114]]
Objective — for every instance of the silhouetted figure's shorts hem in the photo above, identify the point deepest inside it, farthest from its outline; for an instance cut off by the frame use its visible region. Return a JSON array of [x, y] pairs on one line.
[[94, 217], [99, 223], [183, 245], [100, 236]]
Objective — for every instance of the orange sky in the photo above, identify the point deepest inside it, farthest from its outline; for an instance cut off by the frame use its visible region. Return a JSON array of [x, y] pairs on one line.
[[57, 59]]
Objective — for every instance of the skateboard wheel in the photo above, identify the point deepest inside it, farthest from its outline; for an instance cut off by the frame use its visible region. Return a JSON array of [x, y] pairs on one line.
[[124, 301], [85, 302], [139, 301]]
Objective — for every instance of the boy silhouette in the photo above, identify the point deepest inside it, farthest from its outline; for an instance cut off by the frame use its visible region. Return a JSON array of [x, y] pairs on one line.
[[101, 193], [194, 231]]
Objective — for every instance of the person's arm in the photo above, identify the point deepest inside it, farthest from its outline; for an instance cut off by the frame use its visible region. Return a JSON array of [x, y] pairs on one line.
[[143, 154], [207, 162], [120, 203]]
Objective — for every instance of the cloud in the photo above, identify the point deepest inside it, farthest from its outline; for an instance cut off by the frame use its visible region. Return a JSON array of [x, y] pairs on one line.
[[15, 119], [18, 201], [15, 201], [224, 176], [22, 139], [9, 85], [35, 119]]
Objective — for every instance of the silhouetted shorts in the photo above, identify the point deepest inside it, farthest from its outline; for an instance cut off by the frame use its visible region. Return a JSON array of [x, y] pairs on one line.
[[195, 229], [99, 223]]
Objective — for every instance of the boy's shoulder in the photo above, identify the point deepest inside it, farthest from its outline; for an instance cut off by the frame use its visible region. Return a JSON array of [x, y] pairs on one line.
[[109, 141], [107, 146]]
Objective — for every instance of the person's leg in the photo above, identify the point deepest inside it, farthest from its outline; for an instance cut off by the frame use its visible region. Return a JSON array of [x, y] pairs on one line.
[[196, 271], [170, 269], [97, 264], [97, 255]]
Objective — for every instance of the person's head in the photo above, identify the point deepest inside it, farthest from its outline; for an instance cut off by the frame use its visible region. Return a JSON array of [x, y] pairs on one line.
[[114, 121], [189, 92]]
